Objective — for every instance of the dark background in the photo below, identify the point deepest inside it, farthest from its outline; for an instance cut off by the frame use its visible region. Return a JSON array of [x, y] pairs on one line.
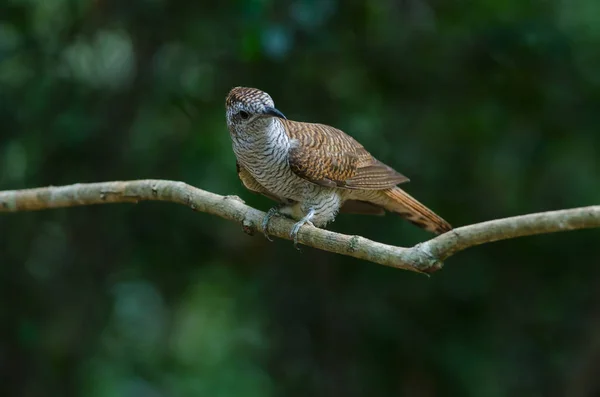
[[491, 107]]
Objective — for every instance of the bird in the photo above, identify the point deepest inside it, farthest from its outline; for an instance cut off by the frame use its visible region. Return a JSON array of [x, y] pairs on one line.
[[313, 171]]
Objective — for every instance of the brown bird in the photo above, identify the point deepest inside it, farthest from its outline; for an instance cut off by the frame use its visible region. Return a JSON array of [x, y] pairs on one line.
[[314, 171]]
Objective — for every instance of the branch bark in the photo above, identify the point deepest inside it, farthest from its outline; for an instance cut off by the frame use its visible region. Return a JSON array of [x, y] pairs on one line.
[[425, 257]]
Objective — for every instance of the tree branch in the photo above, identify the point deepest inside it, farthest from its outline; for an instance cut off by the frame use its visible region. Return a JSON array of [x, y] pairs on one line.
[[424, 257]]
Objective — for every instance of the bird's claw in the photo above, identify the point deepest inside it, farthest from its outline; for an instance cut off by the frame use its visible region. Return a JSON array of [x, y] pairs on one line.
[[265, 223], [298, 225]]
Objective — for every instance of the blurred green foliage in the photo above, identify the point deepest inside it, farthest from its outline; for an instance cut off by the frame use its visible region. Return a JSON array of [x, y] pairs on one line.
[[489, 106]]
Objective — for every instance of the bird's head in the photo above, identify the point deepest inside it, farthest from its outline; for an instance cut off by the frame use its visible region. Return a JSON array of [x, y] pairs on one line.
[[249, 110]]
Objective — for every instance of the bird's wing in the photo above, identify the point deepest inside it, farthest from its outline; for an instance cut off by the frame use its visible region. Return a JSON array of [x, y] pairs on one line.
[[252, 184], [329, 157]]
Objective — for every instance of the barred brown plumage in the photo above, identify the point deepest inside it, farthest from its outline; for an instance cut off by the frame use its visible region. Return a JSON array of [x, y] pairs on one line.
[[313, 170], [329, 157]]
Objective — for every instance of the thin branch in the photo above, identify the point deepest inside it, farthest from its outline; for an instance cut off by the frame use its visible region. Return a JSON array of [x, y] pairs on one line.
[[425, 257]]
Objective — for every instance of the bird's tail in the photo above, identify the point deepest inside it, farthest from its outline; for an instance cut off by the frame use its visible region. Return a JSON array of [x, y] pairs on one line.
[[398, 201]]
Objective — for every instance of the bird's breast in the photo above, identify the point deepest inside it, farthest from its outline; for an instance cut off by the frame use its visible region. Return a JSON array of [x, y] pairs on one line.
[[267, 161]]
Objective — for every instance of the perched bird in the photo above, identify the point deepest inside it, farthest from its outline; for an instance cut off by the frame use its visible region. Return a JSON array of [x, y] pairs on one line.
[[314, 171]]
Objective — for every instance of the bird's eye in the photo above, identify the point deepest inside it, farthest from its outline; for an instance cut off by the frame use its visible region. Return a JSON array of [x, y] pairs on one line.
[[244, 115]]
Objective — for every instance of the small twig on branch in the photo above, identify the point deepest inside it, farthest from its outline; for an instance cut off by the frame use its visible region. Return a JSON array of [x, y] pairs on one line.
[[425, 257]]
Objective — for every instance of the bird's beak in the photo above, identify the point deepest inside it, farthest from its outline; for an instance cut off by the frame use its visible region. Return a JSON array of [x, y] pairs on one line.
[[270, 111]]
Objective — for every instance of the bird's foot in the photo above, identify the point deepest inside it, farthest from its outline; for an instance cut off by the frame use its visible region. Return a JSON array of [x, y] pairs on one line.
[[299, 224], [265, 223]]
